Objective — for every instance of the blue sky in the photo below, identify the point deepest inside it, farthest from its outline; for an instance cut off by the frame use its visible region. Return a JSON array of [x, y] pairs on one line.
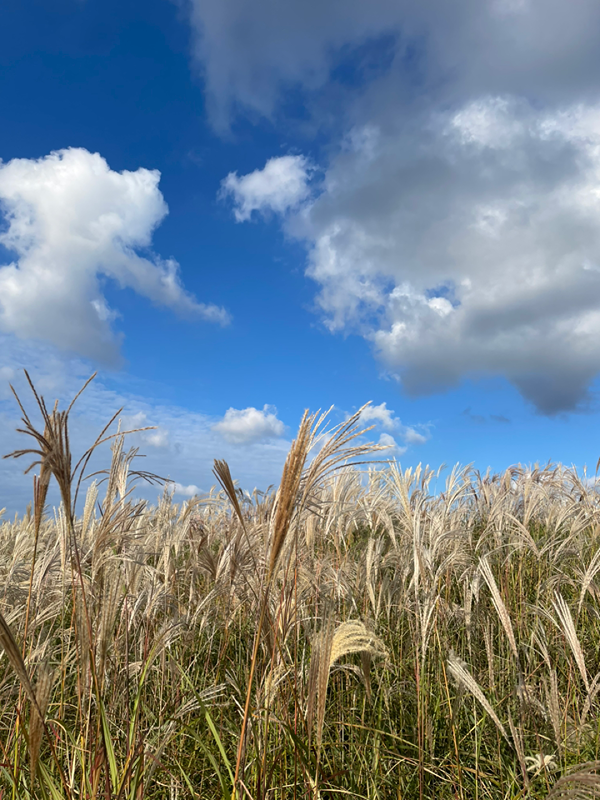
[[234, 211]]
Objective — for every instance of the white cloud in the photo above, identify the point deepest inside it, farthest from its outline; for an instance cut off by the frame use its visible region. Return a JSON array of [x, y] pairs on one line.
[[281, 184], [384, 416], [72, 221], [412, 436], [186, 491], [393, 448], [158, 438], [381, 414], [249, 425]]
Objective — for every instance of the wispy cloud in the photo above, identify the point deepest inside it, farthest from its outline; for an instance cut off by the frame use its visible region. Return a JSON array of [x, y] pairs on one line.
[[482, 419], [182, 448], [381, 414], [393, 449]]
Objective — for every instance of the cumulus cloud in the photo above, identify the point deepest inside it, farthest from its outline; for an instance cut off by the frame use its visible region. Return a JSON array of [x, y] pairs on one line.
[[280, 185], [72, 222], [393, 448], [187, 491], [457, 225], [384, 416], [381, 414], [480, 253], [250, 53], [249, 425]]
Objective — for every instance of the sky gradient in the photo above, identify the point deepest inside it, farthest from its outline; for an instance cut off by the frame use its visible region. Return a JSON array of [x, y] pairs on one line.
[[234, 211]]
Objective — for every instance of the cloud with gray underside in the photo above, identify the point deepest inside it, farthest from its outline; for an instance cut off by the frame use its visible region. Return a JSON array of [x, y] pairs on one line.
[[455, 225]]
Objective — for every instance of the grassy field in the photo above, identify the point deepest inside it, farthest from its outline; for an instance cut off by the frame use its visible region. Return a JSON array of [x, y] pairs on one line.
[[353, 633]]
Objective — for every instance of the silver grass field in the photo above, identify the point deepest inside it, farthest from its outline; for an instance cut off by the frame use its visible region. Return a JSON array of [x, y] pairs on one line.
[[359, 631]]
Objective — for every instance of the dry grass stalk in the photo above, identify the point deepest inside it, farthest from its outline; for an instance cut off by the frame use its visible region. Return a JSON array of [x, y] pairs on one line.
[[567, 626], [289, 487], [498, 602], [16, 661], [43, 690], [294, 492], [588, 578], [464, 678], [223, 475], [15, 658]]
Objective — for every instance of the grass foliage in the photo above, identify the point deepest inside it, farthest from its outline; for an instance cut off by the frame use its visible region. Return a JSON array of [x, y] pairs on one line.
[[351, 633]]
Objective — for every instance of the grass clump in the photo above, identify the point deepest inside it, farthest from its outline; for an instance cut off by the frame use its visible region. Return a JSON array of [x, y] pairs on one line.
[[352, 632]]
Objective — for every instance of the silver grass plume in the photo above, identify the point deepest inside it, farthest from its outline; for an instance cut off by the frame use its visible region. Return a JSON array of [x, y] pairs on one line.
[[331, 645], [464, 678]]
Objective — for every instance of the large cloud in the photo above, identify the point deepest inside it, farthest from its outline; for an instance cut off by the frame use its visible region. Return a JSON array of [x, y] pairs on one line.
[[469, 244], [252, 53], [72, 221], [457, 224]]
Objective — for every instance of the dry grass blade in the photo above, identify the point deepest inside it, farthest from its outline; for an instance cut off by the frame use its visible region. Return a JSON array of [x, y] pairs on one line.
[[299, 484], [517, 736], [588, 577], [583, 784], [43, 690], [223, 474], [338, 448], [13, 654], [282, 515], [294, 491], [53, 449], [15, 658], [468, 681], [40, 493], [498, 602], [318, 678], [567, 626]]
